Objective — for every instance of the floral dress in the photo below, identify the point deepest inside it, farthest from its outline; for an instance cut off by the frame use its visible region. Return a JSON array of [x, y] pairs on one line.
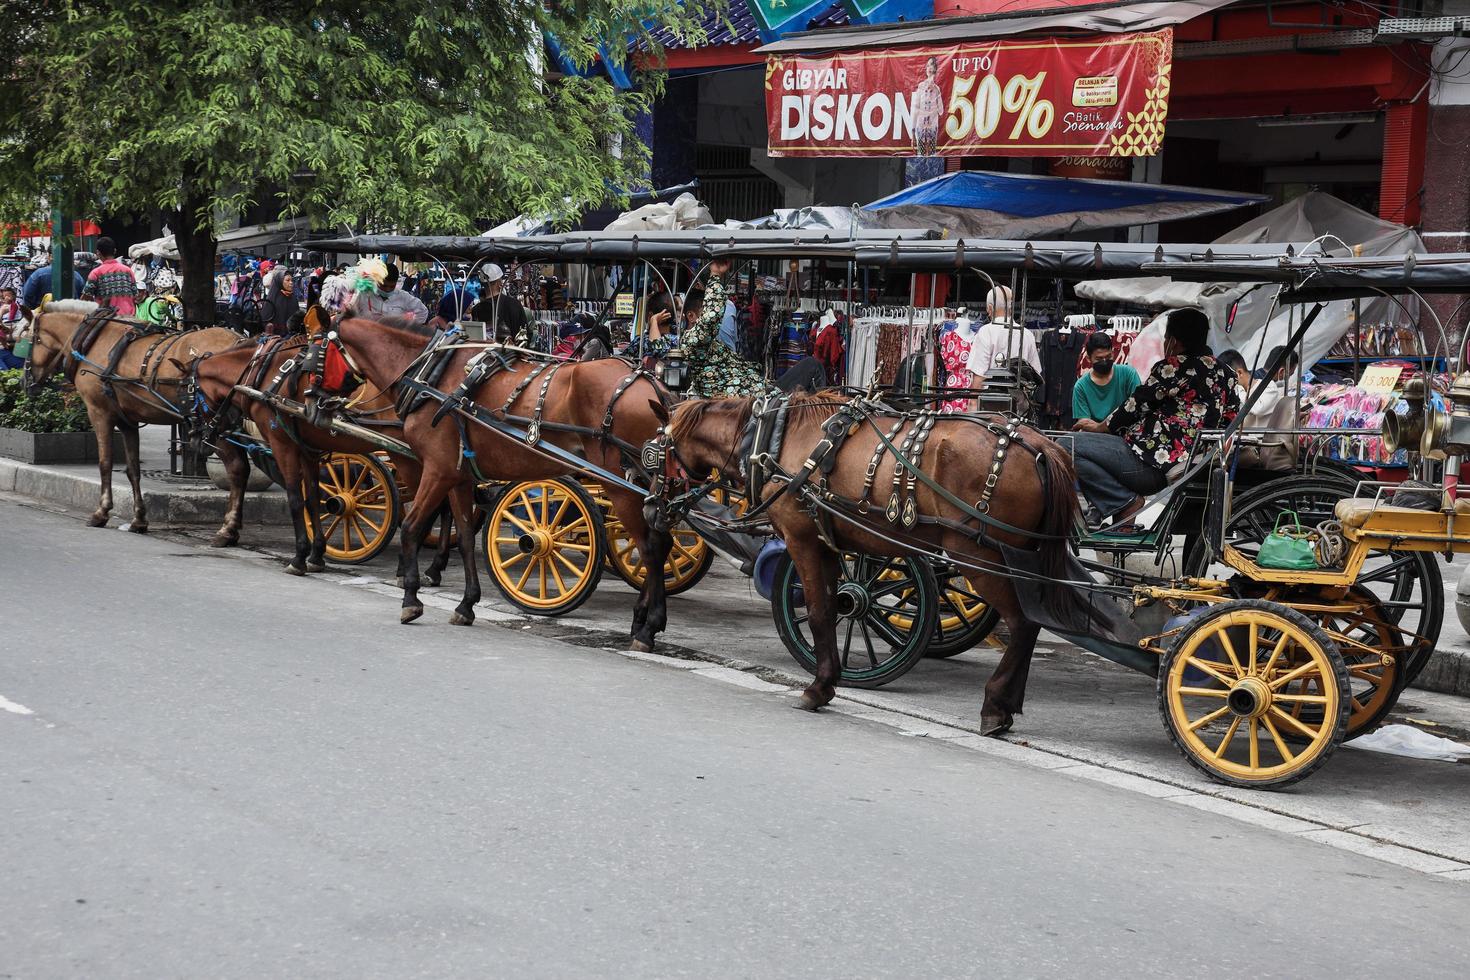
[[1181, 397], [715, 370], [954, 352]]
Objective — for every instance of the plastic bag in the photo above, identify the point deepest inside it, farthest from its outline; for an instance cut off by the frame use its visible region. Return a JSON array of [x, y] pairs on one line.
[[1412, 743]]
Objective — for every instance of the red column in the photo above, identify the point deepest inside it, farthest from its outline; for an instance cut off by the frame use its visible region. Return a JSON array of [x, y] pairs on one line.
[[1401, 194]]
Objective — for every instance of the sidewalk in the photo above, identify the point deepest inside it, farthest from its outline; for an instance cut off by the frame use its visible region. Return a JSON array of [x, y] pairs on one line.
[[170, 499]]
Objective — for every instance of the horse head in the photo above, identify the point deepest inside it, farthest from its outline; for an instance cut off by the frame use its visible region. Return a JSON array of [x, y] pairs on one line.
[[50, 334]]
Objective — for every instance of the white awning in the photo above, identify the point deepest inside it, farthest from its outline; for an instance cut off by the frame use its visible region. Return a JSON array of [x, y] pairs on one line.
[[1098, 18], [252, 237]]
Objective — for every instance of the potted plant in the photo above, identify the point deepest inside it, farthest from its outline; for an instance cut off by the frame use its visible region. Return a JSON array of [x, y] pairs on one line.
[[47, 427]]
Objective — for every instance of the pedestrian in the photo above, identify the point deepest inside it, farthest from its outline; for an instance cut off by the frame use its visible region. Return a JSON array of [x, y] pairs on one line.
[[38, 286], [112, 283], [12, 322], [378, 295], [1103, 389], [281, 302], [506, 317], [999, 340]]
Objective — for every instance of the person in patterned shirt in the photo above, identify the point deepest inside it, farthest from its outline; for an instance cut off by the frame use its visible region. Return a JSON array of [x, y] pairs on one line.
[[1125, 458], [112, 283], [716, 371]]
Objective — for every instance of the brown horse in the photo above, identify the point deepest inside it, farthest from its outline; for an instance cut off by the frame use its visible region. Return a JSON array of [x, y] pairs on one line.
[[295, 446], [576, 394], [958, 454], [126, 381]]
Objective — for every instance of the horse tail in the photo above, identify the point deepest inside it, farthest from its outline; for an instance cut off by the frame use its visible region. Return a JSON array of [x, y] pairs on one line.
[[1059, 524]]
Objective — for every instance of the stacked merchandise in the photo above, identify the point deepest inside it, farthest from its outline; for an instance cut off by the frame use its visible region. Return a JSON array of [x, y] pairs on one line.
[[1377, 340]]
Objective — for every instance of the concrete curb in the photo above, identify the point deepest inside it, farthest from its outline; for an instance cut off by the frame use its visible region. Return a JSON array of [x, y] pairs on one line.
[[1447, 672], [165, 506]]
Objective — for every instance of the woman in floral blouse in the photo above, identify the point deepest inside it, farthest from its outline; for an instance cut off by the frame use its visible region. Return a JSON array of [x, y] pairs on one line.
[[1125, 458], [716, 371]]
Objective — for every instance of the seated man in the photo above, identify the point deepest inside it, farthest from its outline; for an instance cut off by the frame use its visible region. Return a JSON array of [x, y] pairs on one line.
[[1101, 391], [1125, 458]]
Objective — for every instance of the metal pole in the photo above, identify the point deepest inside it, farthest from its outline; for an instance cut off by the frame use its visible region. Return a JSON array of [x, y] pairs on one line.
[[61, 255]]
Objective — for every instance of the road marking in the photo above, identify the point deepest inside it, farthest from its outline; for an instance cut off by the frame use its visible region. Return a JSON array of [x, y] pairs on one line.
[[16, 709]]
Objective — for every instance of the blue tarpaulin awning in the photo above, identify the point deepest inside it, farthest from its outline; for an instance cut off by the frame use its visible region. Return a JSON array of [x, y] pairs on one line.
[[974, 203]]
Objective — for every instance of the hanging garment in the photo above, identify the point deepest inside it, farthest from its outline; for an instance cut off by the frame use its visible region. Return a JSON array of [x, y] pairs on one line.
[[1059, 358], [954, 353], [831, 351], [862, 351], [889, 355]]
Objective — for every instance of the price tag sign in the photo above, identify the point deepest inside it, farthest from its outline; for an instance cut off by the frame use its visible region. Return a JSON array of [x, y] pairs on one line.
[[623, 304], [1380, 378]]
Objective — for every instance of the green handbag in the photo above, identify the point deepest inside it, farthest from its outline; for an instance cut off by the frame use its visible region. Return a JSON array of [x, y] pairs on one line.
[[1290, 550]]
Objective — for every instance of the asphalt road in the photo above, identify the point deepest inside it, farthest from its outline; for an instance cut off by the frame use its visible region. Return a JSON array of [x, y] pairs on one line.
[[210, 769]]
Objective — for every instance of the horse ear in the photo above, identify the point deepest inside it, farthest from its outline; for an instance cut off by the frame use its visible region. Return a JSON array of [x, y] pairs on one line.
[[659, 411], [183, 368]]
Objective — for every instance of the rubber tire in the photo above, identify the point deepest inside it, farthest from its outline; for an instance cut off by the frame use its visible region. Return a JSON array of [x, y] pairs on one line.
[[596, 560], [388, 479], [1431, 580], [1303, 623], [907, 651]]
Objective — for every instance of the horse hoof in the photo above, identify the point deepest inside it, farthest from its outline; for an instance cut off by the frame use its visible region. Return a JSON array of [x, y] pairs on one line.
[[410, 613], [995, 725], [639, 646], [315, 567], [295, 570], [95, 521], [432, 580], [224, 541], [809, 702], [460, 619], [137, 528]]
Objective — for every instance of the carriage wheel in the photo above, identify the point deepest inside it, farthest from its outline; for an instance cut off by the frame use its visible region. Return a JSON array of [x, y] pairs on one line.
[[1407, 584], [873, 594], [965, 619], [360, 506], [1230, 689], [687, 563], [544, 546], [1375, 651]]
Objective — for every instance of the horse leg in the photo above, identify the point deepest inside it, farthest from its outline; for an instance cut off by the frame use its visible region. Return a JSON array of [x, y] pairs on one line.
[[289, 459], [1006, 690], [462, 507], [316, 558], [650, 612], [432, 488], [434, 574], [237, 467], [402, 572], [101, 418], [139, 524], [818, 568]]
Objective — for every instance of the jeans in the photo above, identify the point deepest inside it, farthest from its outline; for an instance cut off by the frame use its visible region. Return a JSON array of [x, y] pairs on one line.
[[9, 362], [1110, 474]]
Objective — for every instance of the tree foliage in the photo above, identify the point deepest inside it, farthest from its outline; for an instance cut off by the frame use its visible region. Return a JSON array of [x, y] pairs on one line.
[[421, 116]]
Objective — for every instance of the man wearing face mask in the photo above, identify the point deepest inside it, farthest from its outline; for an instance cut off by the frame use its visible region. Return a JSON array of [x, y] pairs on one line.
[[1125, 458], [1104, 389]]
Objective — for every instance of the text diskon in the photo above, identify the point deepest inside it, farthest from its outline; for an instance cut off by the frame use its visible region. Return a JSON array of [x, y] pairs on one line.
[[1084, 97]]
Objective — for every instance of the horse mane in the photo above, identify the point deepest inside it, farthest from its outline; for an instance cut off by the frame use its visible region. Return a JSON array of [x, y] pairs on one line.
[[397, 321], [687, 416], [81, 306]]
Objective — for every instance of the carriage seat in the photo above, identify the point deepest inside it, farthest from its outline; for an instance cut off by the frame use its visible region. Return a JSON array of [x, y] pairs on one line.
[[1353, 512]]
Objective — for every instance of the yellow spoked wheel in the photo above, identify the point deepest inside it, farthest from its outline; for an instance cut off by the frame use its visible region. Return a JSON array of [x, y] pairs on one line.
[[687, 563], [544, 545], [1231, 695], [360, 506]]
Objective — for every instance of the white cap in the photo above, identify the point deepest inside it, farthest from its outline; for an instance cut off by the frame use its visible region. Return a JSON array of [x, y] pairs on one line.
[[493, 273]]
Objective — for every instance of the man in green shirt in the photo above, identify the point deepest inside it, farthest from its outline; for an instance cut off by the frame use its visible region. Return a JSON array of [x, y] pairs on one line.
[[1100, 391]]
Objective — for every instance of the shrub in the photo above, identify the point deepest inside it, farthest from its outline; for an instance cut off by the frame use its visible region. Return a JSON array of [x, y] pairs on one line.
[[48, 410]]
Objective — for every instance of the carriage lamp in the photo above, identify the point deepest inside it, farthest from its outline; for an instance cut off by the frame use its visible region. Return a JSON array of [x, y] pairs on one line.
[[674, 370], [1405, 430], [1457, 441]]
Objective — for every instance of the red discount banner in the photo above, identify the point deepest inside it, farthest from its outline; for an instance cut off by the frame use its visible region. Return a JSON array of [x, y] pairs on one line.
[[1099, 96]]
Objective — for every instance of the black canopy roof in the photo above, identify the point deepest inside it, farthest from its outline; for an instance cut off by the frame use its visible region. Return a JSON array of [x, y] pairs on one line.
[[1319, 277], [604, 246]]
